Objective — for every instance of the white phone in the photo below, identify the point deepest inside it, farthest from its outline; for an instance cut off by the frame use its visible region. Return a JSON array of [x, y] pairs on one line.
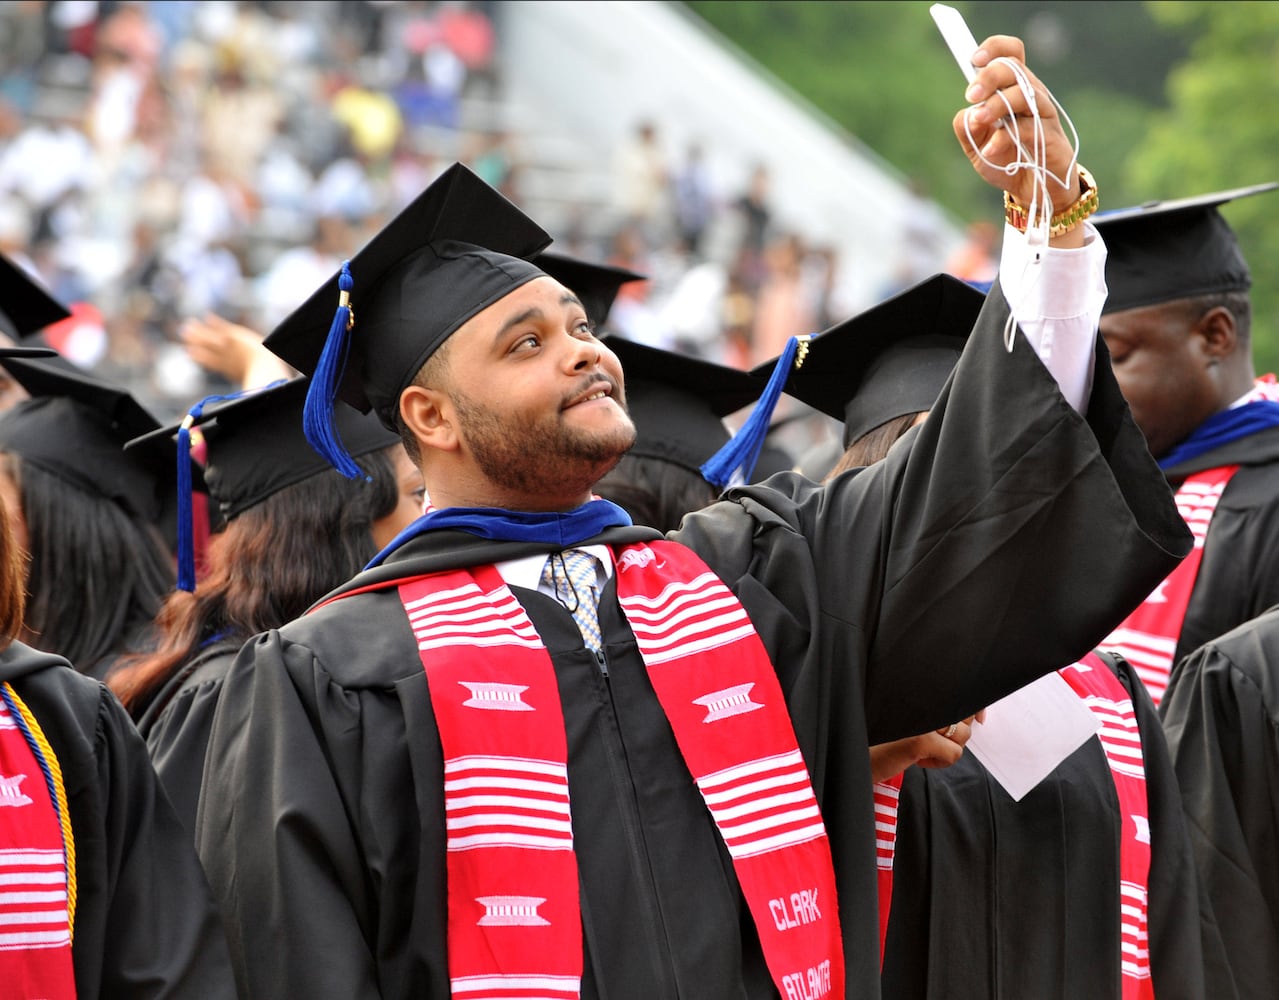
[[955, 31]]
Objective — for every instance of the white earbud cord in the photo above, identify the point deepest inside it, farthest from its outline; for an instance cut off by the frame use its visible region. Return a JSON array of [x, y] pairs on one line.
[[1040, 211]]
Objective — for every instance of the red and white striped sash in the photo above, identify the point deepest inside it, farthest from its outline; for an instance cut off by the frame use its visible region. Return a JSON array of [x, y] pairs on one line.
[[514, 908], [1147, 638], [35, 919], [1120, 738], [887, 795], [514, 917]]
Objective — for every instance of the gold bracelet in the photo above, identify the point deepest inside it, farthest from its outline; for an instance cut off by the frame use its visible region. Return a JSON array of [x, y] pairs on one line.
[[1068, 218]]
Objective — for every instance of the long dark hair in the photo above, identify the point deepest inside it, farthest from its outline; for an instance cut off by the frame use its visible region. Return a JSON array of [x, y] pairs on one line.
[[12, 574], [270, 563], [873, 445], [95, 572]]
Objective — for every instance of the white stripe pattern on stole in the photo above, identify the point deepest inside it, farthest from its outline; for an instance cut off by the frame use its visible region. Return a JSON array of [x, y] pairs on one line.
[[680, 621], [1120, 737], [27, 905], [1150, 655], [886, 798], [763, 805], [1135, 947], [6, 720], [465, 616], [513, 987], [1196, 503], [506, 802]]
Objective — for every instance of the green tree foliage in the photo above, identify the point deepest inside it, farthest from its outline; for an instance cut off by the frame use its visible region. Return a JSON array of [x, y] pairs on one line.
[[1219, 133], [882, 72]]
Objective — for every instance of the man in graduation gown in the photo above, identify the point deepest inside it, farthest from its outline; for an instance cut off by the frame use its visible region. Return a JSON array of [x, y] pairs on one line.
[[338, 818], [1084, 885], [1221, 717], [101, 895], [1177, 323]]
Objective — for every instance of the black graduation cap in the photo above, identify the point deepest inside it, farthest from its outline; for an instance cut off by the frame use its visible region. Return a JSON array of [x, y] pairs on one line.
[[75, 426], [596, 285], [1165, 250], [25, 306], [254, 445], [678, 402], [890, 360], [458, 248]]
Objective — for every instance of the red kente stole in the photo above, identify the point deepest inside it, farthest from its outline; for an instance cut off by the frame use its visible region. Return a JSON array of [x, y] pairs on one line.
[[1109, 701], [514, 906], [1147, 638], [887, 794], [35, 906]]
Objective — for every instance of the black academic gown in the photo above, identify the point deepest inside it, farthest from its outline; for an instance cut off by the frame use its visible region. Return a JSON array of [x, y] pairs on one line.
[[1221, 717], [145, 924], [1239, 576], [1013, 900], [891, 601], [176, 724]]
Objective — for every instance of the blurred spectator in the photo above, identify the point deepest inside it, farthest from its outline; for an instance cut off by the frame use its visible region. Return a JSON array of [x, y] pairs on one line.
[[693, 200], [756, 217], [640, 179], [977, 259], [784, 308]]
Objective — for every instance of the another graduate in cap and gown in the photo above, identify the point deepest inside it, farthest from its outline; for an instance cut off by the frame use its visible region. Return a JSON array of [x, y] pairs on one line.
[[1177, 322], [293, 530], [103, 897], [85, 512], [678, 404], [440, 782], [1085, 886]]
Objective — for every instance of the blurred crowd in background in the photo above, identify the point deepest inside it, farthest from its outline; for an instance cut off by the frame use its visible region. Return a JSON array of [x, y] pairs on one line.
[[165, 166]]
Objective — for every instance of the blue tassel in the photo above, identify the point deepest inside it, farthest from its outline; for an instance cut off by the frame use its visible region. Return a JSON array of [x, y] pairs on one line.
[[186, 538], [735, 462], [317, 415], [186, 531]]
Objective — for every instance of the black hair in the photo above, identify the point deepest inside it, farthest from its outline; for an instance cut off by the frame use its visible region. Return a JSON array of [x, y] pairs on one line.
[[95, 574], [272, 562]]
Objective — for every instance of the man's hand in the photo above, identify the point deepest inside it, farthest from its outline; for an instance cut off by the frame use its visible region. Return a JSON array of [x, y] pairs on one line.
[[935, 750], [996, 143], [231, 350]]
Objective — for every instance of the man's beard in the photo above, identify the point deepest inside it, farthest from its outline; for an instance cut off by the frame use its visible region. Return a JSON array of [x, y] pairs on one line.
[[542, 458]]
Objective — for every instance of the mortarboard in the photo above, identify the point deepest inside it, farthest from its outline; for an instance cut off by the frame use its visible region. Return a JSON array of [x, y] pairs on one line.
[[891, 359], [254, 447], [596, 285], [1166, 250], [25, 306], [678, 402], [254, 444], [456, 249], [75, 426]]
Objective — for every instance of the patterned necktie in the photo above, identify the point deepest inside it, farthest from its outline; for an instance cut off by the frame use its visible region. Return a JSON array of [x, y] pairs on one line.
[[572, 575]]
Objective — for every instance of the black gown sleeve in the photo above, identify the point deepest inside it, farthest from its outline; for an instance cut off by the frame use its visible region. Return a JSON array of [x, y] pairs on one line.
[[944, 569], [177, 736]]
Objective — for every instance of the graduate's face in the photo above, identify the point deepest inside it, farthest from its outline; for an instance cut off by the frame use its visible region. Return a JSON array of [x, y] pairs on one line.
[[538, 399], [1165, 367]]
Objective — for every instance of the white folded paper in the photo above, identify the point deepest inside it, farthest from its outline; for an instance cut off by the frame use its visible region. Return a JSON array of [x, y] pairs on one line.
[[1026, 735]]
